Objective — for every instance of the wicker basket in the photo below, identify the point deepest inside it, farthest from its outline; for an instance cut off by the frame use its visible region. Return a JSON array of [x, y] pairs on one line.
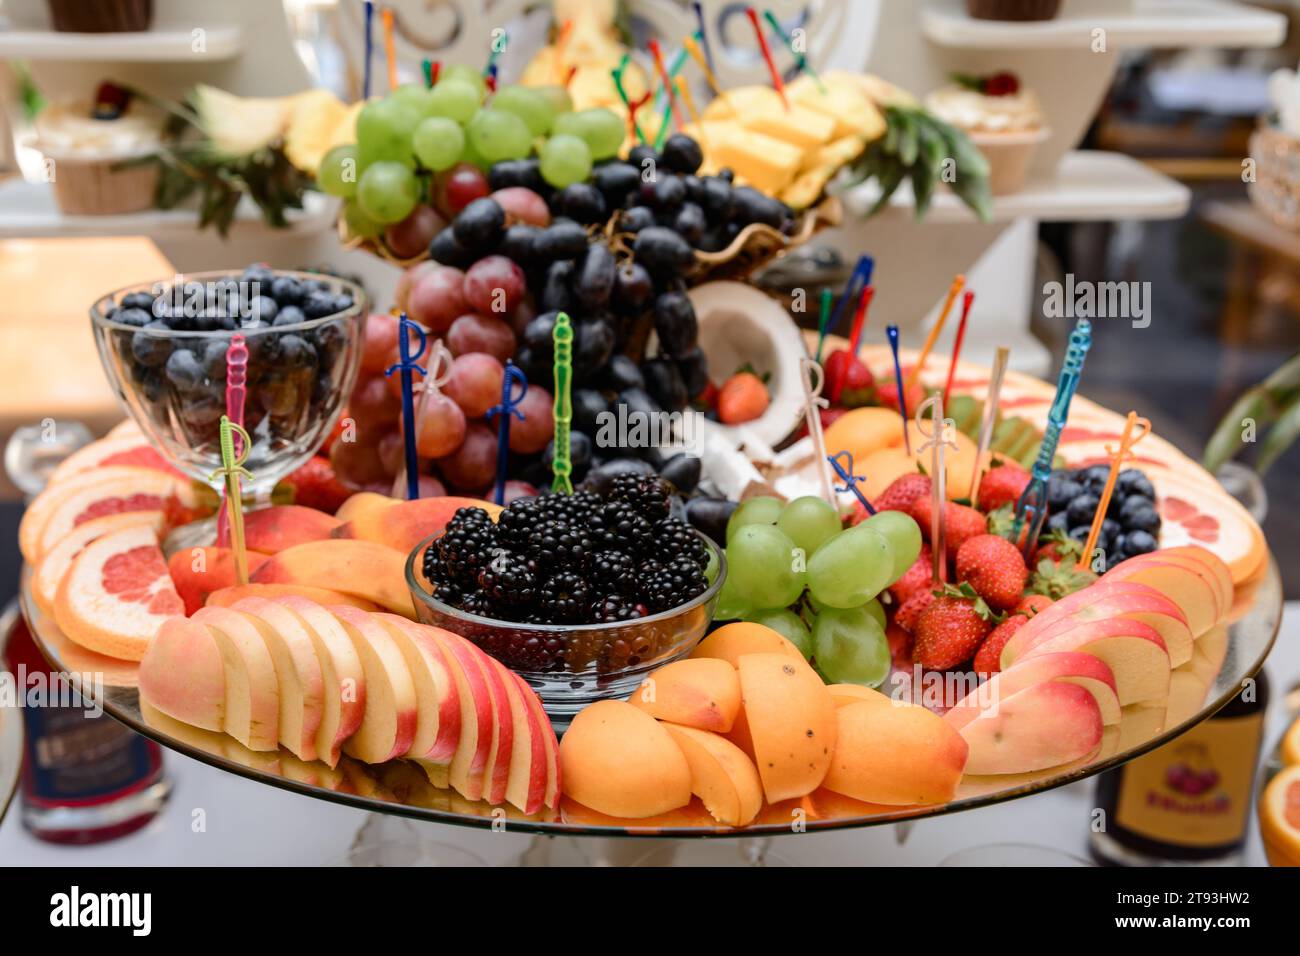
[[1276, 187]]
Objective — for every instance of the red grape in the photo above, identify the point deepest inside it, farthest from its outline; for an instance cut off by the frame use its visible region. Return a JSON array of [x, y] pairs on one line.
[[379, 345], [392, 452], [523, 205], [494, 285], [411, 236], [479, 333], [356, 464], [474, 464], [537, 428], [440, 428], [475, 383], [518, 489], [523, 313], [436, 299], [430, 487], [374, 407], [408, 280], [459, 187]]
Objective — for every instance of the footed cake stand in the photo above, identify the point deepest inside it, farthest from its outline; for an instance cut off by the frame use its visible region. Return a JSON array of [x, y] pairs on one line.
[[400, 788]]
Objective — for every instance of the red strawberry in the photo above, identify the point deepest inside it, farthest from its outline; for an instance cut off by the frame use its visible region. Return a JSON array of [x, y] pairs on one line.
[[960, 522], [900, 647], [1033, 604], [902, 491], [1002, 485], [994, 568], [916, 578], [315, 485], [887, 391], [910, 610], [988, 659], [950, 630], [848, 379]]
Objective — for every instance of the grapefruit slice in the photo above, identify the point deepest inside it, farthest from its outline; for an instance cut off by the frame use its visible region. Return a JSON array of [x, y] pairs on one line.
[[1291, 745], [125, 427], [1279, 818], [1194, 513], [54, 565], [117, 594], [130, 450]]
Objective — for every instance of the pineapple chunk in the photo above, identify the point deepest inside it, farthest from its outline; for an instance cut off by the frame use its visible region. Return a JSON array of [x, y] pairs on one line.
[[742, 102], [842, 102], [799, 125], [765, 163]]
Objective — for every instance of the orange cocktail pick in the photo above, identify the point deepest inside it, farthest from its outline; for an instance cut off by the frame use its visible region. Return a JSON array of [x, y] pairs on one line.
[[958, 284], [1118, 455]]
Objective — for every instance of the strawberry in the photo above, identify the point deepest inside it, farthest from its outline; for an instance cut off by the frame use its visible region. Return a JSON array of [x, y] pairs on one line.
[[910, 610], [1058, 547], [916, 578], [1057, 579], [951, 629], [994, 568], [1032, 604], [960, 522], [315, 485], [900, 647], [849, 380], [988, 659], [743, 398], [887, 392], [1002, 485], [1002, 522], [902, 491]]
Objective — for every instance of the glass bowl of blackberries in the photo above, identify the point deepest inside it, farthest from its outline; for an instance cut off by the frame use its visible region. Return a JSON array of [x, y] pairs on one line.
[[164, 348], [581, 594]]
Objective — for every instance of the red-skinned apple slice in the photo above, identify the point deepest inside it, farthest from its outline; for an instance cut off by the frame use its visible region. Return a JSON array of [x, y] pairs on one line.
[[551, 798], [526, 786], [437, 728], [388, 726], [1046, 725], [1191, 588], [1085, 670], [302, 694], [1103, 592], [476, 715], [497, 774], [182, 675], [1208, 561], [252, 712], [343, 679], [1134, 652]]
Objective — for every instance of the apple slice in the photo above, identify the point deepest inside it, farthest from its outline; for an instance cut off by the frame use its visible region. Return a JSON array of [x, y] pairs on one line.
[[437, 728], [1134, 652], [388, 726], [1045, 725], [252, 714], [476, 714], [551, 796], [1210, 563], [302, 693], [1089, 672], [343, 680], [182, 675], [526, 784], [1190, 587], [496, 776], [722, 775]]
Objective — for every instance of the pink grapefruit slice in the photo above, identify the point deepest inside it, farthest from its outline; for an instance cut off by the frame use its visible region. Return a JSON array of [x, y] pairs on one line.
[[117, 594], [1194, 514], [55, 564], [126, 450]]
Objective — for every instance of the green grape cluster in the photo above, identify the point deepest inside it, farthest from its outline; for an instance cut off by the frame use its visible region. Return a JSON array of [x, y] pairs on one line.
[[795, 568]]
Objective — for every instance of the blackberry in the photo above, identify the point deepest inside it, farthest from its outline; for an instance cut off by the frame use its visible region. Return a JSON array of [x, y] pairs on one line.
[[612, 571], [617, 607], [510, 580], [564, 596], [518, 521], [576, 509], [648, 494], [674, 538], [618, 526], [466, 547], [476, 602], [555, 543], [673, 585]]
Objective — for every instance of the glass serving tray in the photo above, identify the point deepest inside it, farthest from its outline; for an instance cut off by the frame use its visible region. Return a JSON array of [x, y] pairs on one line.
[[398, 787], [11, 726]]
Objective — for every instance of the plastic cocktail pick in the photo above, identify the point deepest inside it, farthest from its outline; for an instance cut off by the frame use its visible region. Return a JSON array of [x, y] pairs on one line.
[[842, 462], [390, 51], [426, 68], [702, 34], [990, 417], [1118, 455], [1032, 506], [684, 92], [561, 465], [236, 393], [766, 50], [967, 299], [813, 380], [561, 41], [632, 107], [369, 20], [495, 49], [232, 470], [957, 284], [824, 320], [693, 48], [938, 439], [657, 56], [406, 366], [514, 386], [801, 60], [859, 279], [855, 339], [892, 332]]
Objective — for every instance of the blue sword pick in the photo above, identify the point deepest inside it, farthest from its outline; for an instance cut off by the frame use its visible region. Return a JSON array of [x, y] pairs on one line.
[[842, 462], [1032, 506], [405, 329], [510, 399]]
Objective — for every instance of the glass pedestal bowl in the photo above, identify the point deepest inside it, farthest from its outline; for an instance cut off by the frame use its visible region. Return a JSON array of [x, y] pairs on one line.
[[172, 380], [573, 665]]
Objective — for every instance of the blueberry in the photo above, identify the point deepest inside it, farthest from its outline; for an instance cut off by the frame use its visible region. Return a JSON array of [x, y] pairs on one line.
[[329, 341], [317, 305], [1095, 477], [1133, 504], [1061, 490], [183, 370], [342, 302], [289, 315], [1133, 482], [1080, 532], [214, 359], [138, 300], [133, 315], [1110, 529], [296, 352], [151, 350], [1139, 542], [259, 272], [1058, 521], [1142, 520], [1082, 508], [286, 290], [263, 309]]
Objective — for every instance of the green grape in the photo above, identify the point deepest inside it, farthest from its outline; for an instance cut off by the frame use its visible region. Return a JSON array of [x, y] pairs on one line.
[[338, 172], [788, 624], [529, 105], [415, 96], [850, 568], [764, 510], [850, 647], [761, 563], [384, 130], [903, 535], [454, 100], [463, 73], [498, 135], [876, 610], [359, 224], [557, 98], [731, 606], [387, 192], [472, 156], [809, 521], [601, 129], [438, 143], [565, 160]]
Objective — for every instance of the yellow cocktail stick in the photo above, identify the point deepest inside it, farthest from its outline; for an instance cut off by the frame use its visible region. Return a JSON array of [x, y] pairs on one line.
[[693, 48], [232, 470], [685, 93], [957, 284], [1117, 458], [390, 50]]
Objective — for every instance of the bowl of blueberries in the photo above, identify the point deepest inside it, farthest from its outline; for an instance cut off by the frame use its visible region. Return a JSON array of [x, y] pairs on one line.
[[163, 346], [581, 594]]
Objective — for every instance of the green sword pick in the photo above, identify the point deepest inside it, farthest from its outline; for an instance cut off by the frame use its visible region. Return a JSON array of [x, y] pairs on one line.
[[561, 465], [232, 469]]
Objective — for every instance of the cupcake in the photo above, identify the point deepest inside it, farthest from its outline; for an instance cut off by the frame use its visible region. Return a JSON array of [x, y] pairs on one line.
[[101, 16], [1022, 10], [1002, 118], [86, 148]]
